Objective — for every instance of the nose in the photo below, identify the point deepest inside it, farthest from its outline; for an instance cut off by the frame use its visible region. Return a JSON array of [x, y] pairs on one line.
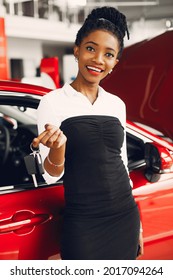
[[98, 58]]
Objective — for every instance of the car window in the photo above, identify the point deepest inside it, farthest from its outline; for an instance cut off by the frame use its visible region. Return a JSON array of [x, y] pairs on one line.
[[135, 151], [30, 112], [17, 129]]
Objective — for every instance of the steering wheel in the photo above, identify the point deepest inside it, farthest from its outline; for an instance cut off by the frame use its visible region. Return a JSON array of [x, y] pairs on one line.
[[4, 144]]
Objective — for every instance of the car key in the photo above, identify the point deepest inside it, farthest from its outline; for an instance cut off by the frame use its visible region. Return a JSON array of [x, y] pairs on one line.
[[38, 159], [30, 164], [39, 164]]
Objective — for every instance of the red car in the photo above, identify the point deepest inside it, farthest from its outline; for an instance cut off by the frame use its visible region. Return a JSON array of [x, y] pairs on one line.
[[30, 217], [143, 79]]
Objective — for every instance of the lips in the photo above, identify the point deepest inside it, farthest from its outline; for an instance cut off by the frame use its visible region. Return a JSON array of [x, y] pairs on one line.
[[94, 69]]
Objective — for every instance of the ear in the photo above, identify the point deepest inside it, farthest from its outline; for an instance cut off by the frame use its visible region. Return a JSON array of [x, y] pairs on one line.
[[116, 62], [76, 51]]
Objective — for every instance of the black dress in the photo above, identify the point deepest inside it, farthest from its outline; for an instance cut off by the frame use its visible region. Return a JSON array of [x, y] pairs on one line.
[[101, 219]]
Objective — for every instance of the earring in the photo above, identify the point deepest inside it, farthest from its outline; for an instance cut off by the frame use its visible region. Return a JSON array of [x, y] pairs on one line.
[[76, 59], [110, 71]]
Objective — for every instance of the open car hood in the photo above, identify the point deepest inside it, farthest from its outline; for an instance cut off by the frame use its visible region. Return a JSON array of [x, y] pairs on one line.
[[143, 79]]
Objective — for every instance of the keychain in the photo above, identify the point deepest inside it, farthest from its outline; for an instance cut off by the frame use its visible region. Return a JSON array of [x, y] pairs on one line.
[[33, 163]]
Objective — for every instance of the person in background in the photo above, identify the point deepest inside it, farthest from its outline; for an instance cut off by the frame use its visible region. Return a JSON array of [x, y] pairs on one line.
[[82, 129]]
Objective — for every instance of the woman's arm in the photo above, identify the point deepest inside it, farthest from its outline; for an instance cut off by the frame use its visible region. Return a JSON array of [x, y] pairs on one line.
[[125, 160], [50, 139]]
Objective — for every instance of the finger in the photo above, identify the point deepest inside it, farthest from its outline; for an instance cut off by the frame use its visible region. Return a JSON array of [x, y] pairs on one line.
[[142, 250], [42, 137], [50, 126], [54, 138], [57, 140], [37, 140], [63, 139]]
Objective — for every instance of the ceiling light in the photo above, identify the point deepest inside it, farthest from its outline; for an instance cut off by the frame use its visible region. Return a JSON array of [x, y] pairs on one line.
[[124, 3], [75, 3], [169, 23]]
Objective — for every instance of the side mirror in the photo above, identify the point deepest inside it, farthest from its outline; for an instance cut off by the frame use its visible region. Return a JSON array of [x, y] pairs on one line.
[[158, 159]]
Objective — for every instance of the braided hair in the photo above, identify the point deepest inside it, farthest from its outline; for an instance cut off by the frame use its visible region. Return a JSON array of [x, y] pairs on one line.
[[105, 18]]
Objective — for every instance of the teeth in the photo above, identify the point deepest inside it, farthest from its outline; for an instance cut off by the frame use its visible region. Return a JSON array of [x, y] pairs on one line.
[[94, 69]]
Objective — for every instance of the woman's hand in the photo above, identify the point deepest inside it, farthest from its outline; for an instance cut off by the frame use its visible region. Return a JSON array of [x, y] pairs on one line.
[[141, 246], [52, 137]]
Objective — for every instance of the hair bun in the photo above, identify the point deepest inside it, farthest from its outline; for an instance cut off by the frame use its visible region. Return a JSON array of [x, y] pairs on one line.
[[111, 14]]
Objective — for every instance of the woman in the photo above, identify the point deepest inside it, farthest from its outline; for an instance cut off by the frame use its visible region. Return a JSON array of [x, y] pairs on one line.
[[82, 129]]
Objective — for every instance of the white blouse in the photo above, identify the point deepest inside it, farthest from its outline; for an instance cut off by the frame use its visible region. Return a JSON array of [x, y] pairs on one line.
[[66, 102]]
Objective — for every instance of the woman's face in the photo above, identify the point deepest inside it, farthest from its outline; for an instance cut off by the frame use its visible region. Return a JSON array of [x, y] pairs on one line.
[[97, 56]]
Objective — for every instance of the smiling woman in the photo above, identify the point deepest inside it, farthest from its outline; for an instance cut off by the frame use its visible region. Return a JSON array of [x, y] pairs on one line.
[[82, 132], [97, 56]]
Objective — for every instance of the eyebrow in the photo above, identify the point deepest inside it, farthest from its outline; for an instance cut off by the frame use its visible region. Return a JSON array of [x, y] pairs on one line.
[[94, 43]]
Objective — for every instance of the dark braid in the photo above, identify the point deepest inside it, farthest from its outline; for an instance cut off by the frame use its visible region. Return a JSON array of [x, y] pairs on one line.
[[105, 18]]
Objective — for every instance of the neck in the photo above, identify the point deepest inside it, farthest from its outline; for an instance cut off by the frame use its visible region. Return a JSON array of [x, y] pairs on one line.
[[90, 90]]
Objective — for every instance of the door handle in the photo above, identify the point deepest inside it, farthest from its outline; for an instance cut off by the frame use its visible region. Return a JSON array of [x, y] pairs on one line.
[[12, 225]]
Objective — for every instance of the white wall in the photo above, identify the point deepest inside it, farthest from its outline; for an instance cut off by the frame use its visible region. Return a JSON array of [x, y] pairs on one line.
[[142, 29], [27, 49], [70, 68], [40, 29]]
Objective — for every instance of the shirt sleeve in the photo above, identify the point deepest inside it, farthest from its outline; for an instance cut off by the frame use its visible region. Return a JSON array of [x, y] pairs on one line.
[[124, 146], [46, 115]]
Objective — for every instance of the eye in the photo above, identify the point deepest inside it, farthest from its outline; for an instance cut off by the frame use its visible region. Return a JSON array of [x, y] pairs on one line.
[[90, 49], [110, 55]]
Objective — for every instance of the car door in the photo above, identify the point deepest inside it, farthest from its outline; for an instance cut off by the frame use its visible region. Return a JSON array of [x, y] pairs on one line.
[[154, 199], [30, 222], [156, 205], [30, 217]]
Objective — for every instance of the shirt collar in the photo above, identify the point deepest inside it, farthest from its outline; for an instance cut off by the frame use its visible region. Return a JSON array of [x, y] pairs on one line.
[[69, 90]]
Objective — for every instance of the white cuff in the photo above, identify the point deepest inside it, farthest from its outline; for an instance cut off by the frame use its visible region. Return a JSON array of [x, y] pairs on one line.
[[51, 179]]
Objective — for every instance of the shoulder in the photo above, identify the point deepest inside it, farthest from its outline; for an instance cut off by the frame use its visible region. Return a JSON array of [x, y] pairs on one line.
[[53, 98], [110, 97], [56, 93]]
